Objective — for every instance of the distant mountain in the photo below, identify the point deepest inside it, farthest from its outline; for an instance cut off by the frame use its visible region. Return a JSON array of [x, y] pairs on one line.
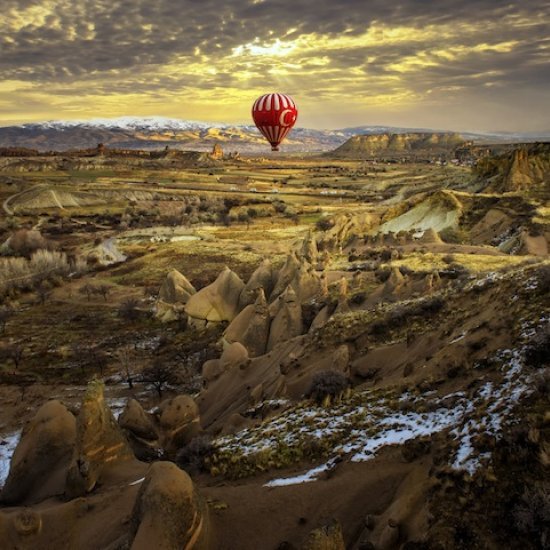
[[158, 132]]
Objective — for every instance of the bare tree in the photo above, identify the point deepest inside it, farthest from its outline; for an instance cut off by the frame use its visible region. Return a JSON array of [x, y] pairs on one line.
[[103, 290], [43, 294], [5, 315], [126, 358], [158, 375], [15, 353], [98, 359], [86, 289]]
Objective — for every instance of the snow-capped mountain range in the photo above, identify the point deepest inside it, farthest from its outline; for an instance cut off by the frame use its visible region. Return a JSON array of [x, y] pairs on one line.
[[157, 132]]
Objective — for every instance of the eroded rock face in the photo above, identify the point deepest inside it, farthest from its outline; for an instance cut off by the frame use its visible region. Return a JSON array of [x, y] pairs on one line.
[[219, 301], [40, 461], [99, 443], [251, 327], [168, 513]]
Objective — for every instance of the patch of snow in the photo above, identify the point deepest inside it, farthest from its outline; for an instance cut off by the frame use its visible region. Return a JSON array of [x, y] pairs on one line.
[[8, 444], [116, 404], [310, 475], [136, 482], [459, 337]]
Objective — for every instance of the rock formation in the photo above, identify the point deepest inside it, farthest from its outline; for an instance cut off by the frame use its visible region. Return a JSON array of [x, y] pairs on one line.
[[218, 301], [262, 278], [141, 431], [287, 319], [286, 275], [400, 145], [42, 457], [251, 327], [234, 355], [168, 513], [99, 443], [173, 295], [522, 168], [179, 422], [308, 249]]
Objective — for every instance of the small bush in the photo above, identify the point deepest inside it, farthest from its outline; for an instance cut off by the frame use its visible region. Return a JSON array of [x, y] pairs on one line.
[[537, 353], [328, 384], [532, 513], [129, 309], [324, 224], [193, 457]]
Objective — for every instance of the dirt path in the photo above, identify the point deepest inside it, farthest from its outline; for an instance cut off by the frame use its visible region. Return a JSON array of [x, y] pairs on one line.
[[5, 204]]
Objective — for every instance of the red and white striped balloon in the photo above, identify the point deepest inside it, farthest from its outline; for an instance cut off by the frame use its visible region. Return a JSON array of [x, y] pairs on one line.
[[274, 115]]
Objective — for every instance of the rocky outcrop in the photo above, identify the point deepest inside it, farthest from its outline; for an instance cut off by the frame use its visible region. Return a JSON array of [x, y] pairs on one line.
[[263, 278], [524, 167], [99, 443], [234, 355], [176, 288], [141, 431], [345, 228], [42, 457], [217, 152], [251, 327], [179, 422], [400, 145], [286, 275], [168, 513], [218, 301], [308, 249], [287, 319], [173, 295]]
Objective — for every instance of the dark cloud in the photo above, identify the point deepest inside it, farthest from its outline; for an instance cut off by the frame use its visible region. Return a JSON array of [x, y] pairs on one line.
[[72, 48], [80, 36]]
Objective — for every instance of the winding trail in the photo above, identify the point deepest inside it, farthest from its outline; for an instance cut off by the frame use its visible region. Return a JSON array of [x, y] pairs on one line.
[[5, 204]]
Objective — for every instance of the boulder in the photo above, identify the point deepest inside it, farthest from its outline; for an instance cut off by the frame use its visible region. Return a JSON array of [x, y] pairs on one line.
[[251, 327], [100, 443], [42, 457], [218, 301], [168, 513], [137, 421]]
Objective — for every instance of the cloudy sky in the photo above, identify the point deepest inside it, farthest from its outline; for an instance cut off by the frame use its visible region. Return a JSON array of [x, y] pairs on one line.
[[448, 64]]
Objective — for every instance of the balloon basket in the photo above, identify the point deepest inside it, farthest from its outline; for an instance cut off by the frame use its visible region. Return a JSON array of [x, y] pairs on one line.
[[274, 148]]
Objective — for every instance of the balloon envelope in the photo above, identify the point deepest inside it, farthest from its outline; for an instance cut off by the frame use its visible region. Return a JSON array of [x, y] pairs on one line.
[[274, 115]]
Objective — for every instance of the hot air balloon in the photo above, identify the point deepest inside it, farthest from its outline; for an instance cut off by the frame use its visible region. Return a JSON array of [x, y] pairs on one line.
[[274, 115]]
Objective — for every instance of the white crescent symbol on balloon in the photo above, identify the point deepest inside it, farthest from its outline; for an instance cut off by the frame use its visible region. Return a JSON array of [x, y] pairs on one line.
[[282, 118]]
